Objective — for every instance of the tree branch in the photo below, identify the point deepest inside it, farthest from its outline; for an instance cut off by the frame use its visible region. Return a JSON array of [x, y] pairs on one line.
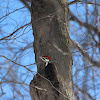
[[84, 92], [14, 32], [25, 2], [85, 24], [84, 53]]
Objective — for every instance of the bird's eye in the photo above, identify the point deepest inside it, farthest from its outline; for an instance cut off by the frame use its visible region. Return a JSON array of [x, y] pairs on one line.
[[46, 58]]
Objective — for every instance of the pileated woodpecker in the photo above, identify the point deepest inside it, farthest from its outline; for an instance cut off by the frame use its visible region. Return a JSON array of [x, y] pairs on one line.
[[51, 71]]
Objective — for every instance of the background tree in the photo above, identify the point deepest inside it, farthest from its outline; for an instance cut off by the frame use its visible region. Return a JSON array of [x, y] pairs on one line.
[[17, 65]]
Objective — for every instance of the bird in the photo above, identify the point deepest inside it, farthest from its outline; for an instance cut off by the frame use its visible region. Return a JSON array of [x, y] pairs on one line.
[[51, 72]]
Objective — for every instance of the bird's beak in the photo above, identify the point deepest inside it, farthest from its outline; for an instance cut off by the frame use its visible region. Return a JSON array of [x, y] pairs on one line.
[[40, 57]]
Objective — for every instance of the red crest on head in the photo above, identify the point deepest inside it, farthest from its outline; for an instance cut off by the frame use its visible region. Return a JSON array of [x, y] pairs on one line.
[[47, 57]]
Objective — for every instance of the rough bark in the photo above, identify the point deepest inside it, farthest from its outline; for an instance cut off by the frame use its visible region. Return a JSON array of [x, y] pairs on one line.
[[50, 24]]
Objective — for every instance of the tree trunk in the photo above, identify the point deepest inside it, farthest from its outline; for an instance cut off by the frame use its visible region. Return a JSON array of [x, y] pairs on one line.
[[50, 23]]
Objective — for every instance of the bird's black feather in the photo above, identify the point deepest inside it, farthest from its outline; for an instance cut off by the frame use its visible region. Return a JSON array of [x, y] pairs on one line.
[[52, 74]]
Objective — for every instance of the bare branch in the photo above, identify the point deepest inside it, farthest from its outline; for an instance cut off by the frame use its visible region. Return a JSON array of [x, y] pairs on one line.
[[89, 3], [14, 32], [84, 53], [25, 2], [85, 24], [84, 92], [16, 63], [12, 12]]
